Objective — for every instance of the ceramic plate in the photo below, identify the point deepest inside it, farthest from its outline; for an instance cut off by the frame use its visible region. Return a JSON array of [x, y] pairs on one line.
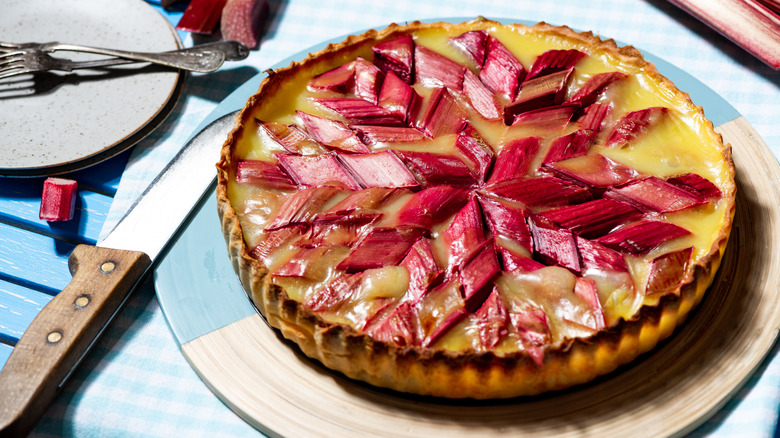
[[57, 122]]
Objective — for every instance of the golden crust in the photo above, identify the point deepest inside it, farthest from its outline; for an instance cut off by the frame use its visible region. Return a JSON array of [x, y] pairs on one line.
[[470, 374]]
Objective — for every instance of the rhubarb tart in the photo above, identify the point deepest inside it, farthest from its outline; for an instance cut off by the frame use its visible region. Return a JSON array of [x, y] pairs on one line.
[[474, 210]]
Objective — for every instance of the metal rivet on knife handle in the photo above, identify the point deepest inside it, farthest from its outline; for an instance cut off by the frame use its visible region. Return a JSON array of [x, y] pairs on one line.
[[107, 267], [81, 301], [54, 337]]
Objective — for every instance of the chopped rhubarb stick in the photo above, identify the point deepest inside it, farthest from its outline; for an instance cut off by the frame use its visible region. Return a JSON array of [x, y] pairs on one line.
[[380, 247], [431, 206], [585, 288], [263, 173], [473, 44], [435, 70], [292, 138], [554, 245], [641, 237], [399, 327], [451, 320], [274, 239], [502, 73], [593, 218], [201, 16], [335, 293], [341, 79], [443, 115], [477, 273], [492, 320], [513, 159], [545, 191], [594, 170], [553, 61], [378, 169], [568, 146], [505, 220], [653, 194], [466, 232], [368, 80], [480, 97], [530, 323], [300, 207], [305, 263], [633, 124], [399, 98], [367, 199], [593, 116], [424, 271], [361, 111], [590, 91], [58, 201], [332, 133], [434, 169], [667, 271], [337, 229], [598, 257], [513, 261], [317, 170], [551, 118], [244, 20], [697, 184], [477, 153], [397, 57], [537, 93], [374, 134]]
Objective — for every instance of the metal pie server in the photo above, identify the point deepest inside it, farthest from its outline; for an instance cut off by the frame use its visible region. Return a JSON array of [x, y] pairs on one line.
[[103, 277]]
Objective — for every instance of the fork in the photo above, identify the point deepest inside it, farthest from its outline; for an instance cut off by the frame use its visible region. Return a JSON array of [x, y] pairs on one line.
[[16, 59]]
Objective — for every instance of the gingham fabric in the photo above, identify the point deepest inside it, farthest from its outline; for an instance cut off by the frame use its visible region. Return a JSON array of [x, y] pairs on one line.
[[136, 383]]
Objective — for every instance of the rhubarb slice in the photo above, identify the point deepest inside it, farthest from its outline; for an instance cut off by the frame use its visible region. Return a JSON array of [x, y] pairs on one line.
[[514, 261], [513, 160], [443, 115], [58, 201], [374, 135], [547, 191], [592, 89], [380, 247], [466, 232], [505, 220], [399, 98], [537, 93], [368, 80], [317, 170], [434, 169], [399, 327], [474, 45], [492, 321], [553, 118], [592, 117], [332, 133], [599, 257], [593, 218], [667, 271], [378, 169], [435, 70], [201, 16], [568, 146], [477, 273], [305, 263], [633, 124], [424, 271], [331, 229], [585, 288], [367, 199], [244, 20], [263, 173], [341, 79], [300, 207], [336, 293], [553, 61], [653, 194], [554, 245], [530, 323], [275, 239], [292, 138], [481, 98], [439, 310], [641, 237], [501, 72], [397, 57], [594, 170], [362, 112], [478, 155], [431, 206], [696, 184]]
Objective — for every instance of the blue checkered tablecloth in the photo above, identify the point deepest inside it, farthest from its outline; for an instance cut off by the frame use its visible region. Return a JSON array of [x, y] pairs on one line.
[[136, 383]]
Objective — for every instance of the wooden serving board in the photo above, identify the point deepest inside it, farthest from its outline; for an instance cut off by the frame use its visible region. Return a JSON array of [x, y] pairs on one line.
[[668, 391]]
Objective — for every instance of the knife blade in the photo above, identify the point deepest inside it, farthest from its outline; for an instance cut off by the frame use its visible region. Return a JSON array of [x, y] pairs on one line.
[[103, 277]]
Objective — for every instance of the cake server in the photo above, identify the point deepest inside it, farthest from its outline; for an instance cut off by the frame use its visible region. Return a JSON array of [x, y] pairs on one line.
[[103, 277]]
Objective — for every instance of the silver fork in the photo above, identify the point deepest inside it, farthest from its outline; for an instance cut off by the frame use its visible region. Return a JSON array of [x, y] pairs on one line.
[[16, 59]]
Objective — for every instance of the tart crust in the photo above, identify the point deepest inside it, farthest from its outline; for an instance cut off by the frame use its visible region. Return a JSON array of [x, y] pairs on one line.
[[463, 374]]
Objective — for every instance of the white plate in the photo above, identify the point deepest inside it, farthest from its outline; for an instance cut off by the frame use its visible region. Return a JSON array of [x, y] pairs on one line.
[[57, 122]]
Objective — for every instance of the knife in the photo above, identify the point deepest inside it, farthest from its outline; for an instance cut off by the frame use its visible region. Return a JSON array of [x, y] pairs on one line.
[[103, 277]]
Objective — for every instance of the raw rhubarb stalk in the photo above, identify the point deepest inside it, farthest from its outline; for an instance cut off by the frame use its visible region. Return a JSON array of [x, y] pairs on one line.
[[263, 173], [399, 98], [668, 271], [593, 218], [568, 146], [551, 118], [243, 21], [58, 201], [547, 191], [501, 72], [368, 80], [640, 237], [492, 320], [317, 170], [442, 115], [201, 16], [340, 79], [478, 155], [585, 288], [592, 117], [553, 61], [373, 135], [477, 273], [554, 245], [630, 126], [513, 160], [332, 133], [378, 169], [506, 221], [334, 294], [592, 89], [396, 56], [431, 206], [466, 232], [598, 257], [435, 70], [530, 323], [653, 194], [594, 170], [481, 98], [300, 207], [362, 112], [537, 93], [696, 184], [473, 44], [424, 271], [380, 247], [399, 327], [291, 138], [433, 169]]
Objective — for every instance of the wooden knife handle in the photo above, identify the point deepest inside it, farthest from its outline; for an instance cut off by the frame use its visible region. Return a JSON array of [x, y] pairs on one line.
[[64, 331]]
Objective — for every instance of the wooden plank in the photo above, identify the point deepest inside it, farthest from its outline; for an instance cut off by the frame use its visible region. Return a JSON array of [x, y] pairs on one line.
[[33, 260], [18, 307]]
